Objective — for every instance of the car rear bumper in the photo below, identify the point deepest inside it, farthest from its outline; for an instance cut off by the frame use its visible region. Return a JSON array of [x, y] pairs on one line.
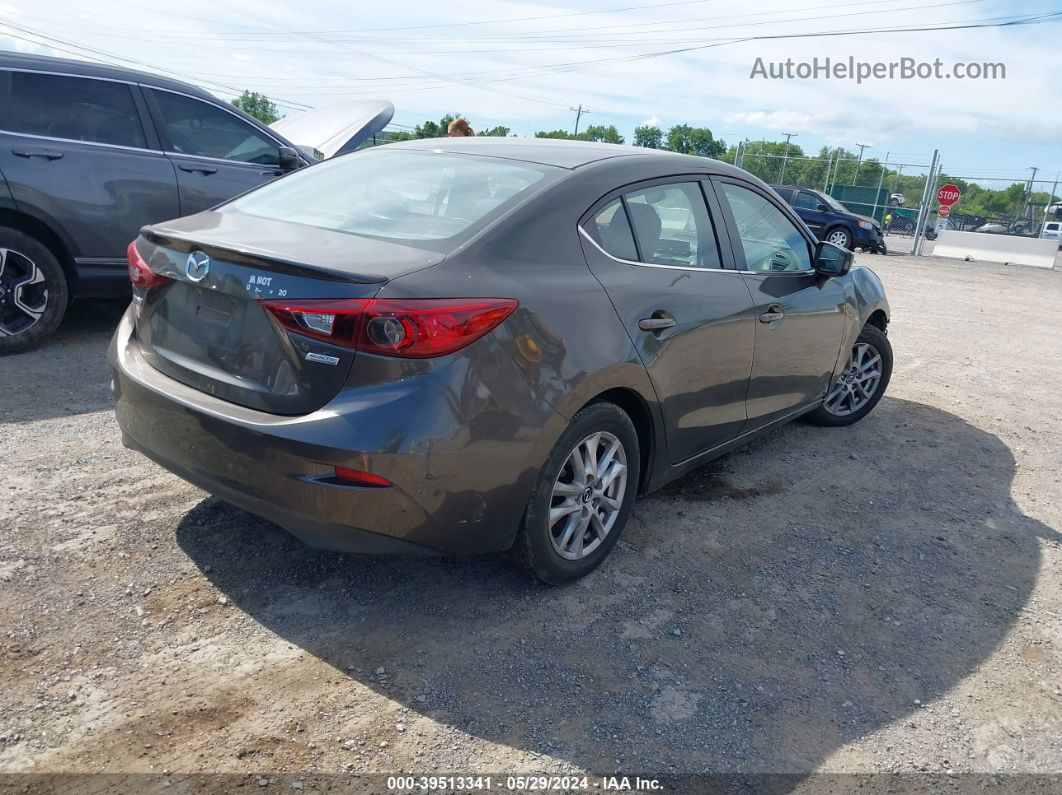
[[451, 493]]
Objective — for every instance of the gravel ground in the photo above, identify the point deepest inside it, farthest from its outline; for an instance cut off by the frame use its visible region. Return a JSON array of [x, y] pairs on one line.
[[879, 598]]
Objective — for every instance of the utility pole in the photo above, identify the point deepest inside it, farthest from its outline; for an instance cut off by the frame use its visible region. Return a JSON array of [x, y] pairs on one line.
[[579, 111], [837, 166], [1051, 198], [781, 176], [855, 179], [1027, 210], [923, 211], [881, 179]]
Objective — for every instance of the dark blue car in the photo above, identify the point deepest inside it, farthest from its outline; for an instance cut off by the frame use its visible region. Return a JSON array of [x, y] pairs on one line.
[[831, 221]]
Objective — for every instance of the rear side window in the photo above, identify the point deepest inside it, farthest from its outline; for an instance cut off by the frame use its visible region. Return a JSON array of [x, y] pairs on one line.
[[672, 226], [1053, 227], [76, 108], [611, 229], [199, 128], [397, 195]]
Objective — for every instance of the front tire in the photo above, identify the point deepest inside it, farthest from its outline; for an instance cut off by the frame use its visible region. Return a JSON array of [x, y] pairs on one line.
[[583, 496], [861, 384], [840, 236], [33, 291]]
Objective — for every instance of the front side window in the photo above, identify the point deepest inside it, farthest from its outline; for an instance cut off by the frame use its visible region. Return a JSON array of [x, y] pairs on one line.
[[771, 241], [808, 201], [199, 128], [672, 226], [75, 108], [397, 195]]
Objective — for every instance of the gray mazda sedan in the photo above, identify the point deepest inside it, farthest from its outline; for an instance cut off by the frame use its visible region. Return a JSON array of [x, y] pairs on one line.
[[484, 344]]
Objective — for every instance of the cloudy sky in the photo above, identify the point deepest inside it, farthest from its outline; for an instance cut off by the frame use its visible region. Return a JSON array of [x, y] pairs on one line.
[[524, 64]]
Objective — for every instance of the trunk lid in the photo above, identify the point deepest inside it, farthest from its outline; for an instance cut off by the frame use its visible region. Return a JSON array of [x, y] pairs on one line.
[[336, 129], [208, 328]]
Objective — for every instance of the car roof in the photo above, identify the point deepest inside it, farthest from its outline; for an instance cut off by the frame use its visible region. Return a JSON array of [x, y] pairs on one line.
[[68, 66], [557, 151], [795, 187]]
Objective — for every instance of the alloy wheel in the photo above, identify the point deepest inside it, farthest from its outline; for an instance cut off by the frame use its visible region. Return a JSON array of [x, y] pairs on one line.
[[587, 495], [838, 238], [23, 292], [857, 383]]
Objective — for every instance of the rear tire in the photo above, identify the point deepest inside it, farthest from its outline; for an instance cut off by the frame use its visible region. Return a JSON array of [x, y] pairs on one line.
[[847, 401], [589, 509], [33, 292]]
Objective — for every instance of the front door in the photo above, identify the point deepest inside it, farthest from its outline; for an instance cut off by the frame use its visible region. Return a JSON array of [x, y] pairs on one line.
[[807, 205], [216, 153], [800, 316], [656, 252]]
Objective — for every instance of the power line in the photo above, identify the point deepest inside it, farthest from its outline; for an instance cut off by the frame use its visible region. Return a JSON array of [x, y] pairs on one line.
[[125, 31], [446, 78], [990, 22], [94, 54], [545, 69]]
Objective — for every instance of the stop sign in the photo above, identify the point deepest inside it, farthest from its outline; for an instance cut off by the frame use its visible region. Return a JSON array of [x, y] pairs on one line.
[[944, 212], [948, 195]]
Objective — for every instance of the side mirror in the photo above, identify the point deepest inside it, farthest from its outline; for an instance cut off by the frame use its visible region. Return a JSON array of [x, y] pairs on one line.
[[289, 159], [822, 208], [831, 260]]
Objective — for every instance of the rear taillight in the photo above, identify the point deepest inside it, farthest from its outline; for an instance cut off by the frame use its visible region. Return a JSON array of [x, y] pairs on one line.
[[139, 273], [410, 328]]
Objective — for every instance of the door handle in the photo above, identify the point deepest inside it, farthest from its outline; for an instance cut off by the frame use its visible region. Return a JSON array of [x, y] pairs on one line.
[[197, 169], [44, 154], [655, 323], [773, 313]]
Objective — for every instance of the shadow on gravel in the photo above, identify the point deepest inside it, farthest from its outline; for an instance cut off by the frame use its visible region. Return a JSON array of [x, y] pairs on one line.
[[67, 373], [753, 633]]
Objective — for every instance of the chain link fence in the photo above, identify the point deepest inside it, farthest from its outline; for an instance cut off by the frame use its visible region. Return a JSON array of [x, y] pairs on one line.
[[1004, 205], [890, 190]]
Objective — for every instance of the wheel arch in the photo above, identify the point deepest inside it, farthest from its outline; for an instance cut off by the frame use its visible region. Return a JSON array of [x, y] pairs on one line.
[[879, 319], [637, 408], [839, 225], [44, 234]]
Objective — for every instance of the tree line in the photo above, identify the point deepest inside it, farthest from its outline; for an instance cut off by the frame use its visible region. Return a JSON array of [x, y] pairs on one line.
[[680, 138]]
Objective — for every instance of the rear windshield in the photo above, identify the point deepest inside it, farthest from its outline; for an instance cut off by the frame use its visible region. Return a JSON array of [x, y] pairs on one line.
[[405, 196]]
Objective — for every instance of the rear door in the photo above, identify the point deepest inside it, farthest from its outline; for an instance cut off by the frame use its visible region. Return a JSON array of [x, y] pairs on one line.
[[800, 316], [80, 154], [655, 247], [217, 154]]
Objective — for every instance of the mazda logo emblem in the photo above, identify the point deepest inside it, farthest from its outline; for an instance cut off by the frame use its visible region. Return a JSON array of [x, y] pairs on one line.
[[197, 266]]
